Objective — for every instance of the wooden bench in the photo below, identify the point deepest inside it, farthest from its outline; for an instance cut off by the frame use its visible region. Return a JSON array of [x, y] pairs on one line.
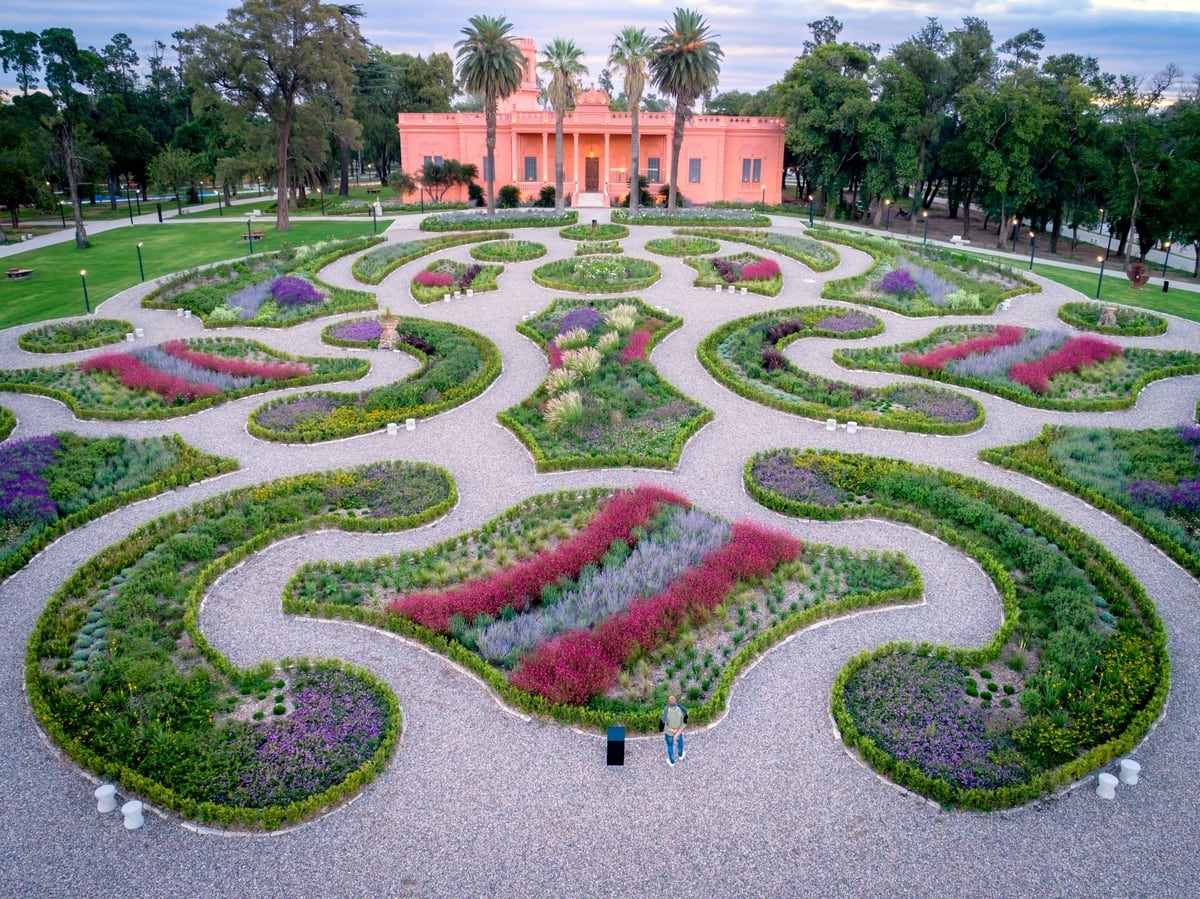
[[959, 239], [372, 190], [19, 274], [255, 235]]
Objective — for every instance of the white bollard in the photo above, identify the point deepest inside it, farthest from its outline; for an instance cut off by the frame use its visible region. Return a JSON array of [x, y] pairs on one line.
[[445, 298], [717, 288], [393, 427], [831, 424], [1106, 786], [1129, 772], [129, 338], [470, 292], [139, 333], [851, 427], [132, 810], [410, 424], [732, 289], [106, 799], [179, 312], [457, 294], [187, 313], [743, 290]]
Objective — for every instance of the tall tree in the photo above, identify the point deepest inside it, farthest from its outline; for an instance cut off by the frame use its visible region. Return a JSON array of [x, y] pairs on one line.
[[630, 54], [491, 65], [19, 52], [269, 56], [686, 65], [560, 60]]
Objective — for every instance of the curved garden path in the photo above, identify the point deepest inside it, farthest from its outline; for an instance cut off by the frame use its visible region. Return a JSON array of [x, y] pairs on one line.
[[481, 801]]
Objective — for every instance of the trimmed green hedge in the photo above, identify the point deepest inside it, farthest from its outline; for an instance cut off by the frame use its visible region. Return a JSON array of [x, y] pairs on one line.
[[286, 515], [374, 409], [548, 275], [643, 721], [692, 215], [599, 231], [707, 276], [502, 219], [8, 421], [710, 354], [72, 336], [814, 254], [856, 475], [373, 267]]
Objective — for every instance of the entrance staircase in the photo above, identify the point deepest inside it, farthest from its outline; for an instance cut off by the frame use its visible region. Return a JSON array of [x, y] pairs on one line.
[[589, 201]]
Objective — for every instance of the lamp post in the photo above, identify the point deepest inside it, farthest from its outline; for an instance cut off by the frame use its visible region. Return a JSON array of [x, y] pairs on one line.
[[1101, 220], [764, 202], [1109, 247], [1100, 282], [250, 234], [887, 222], [219, 198], [1032, 247], [141, 270], [1014, 224], [925, 219], [83, 279], [1168, 256], [374, 219], [62, 215], [129, 205], [810, 210]]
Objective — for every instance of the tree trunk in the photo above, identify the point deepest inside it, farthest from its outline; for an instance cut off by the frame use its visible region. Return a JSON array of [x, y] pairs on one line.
[[676, 146], [66, 141], [1133, 211], [635, 159], [489, 117], [1000, 227], [1056, 231], [114, 185], [558, 161], [282, 221], [344, 162], [917, 193]]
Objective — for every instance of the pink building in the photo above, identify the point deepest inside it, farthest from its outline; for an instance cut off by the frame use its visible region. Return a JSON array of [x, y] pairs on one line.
[[734, 158]]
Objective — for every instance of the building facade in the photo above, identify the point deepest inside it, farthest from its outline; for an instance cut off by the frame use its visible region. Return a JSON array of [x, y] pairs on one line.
[[732, 158]]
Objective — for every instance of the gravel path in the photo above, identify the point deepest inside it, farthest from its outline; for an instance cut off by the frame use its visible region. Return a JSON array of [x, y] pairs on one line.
[[480, 801]]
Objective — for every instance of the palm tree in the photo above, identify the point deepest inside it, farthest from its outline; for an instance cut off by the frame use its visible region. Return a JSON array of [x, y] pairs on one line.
[[630, 54], [491, 65], [686, 64], [561, 62]]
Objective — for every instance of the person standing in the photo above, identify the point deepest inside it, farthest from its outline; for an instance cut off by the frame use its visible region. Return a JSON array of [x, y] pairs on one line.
[[671, 723]]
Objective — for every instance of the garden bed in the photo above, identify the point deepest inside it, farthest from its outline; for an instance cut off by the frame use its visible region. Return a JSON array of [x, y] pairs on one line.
[[692, 215], [814, 254], [52, 484], [508, 251], [122, 679], [445, 276], [598, 248], [1128, 321], [502, 218], [599, 231], [603, 404], [1046, 369], [544, 601], [598, 274], [1074, 678], [745, 270], [745, 355], [72, 336], [923, 280], [176, 378], [457, 365], [1148, 479], [373, 267], [682, 246], [274, 290]]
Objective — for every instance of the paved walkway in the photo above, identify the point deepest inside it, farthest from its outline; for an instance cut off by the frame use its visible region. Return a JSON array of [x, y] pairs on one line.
[[482, 802]]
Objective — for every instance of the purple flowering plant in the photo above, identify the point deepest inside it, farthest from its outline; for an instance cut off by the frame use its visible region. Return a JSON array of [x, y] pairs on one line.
[[289, 290], [899, 281], [24, 493], [779, 473]]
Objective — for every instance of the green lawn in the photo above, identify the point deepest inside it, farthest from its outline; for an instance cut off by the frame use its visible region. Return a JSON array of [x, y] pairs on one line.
[[56, 289], [1183, 303]]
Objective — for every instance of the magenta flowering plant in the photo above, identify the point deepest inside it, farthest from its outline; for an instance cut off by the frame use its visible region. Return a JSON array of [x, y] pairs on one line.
[[427, 278]]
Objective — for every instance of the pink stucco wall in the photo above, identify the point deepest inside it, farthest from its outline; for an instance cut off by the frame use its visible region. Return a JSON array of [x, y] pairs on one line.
[[722, 144]]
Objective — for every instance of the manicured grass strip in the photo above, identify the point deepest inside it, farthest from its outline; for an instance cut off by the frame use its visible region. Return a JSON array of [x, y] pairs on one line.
[[745, 356], [55, 290], [1081, 640], [122, 678]]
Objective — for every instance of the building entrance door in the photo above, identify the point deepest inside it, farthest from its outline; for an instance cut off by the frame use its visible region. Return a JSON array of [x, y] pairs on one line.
[[591, 175]]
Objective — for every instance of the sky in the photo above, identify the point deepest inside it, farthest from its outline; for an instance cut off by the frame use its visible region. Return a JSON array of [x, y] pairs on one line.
[[760, 38]]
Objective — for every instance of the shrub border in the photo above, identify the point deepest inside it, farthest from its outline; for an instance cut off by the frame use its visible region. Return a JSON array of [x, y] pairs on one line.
[[77, 345], [487, 223], [1066, 313], [8, 422], [755, 239], [627, 287], [475, 251], [622, 217], [428, 245]]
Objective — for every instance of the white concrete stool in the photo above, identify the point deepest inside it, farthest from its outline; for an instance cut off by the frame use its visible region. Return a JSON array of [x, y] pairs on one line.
[[831, 424], [139, 333], [717, 288], [410, 424], [445, 298], [132, 810], [1129, 771], [106, 799], [129, 338], [851, 427], [393, 427], [1106, 786]]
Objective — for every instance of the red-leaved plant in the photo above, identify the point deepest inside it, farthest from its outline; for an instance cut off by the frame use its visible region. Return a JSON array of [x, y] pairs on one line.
[[244, 368], [137, 375], [636, 347], [520, 584], [1077, 353], [1005, 335], [760, 270], [434, 279], [581, 664]]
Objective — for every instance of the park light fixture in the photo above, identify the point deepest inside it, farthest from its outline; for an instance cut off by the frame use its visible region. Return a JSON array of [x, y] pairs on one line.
[[1100, 282], [141, 270], [887, 224], [1167, 247], [86, 302], [1032, 247], [1015, 222], [810, 210], [925, 219], [250, 233]]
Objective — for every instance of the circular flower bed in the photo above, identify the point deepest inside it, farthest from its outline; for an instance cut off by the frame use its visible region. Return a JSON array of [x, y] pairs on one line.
[[682, 246], [598, 274], [70, 336], [1105, 319], [508, 251], [599, 231]]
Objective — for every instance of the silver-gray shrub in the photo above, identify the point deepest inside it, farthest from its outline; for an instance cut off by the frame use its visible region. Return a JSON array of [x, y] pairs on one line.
[[249, 299], [933, 285], [1001, 359], [159, 359], [684, 538]]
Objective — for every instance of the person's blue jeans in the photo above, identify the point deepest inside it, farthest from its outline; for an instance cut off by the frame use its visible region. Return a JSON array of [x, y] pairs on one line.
[[674, 746]]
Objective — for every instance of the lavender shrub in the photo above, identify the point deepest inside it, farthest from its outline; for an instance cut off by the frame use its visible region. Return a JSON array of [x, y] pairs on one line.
[[681, 540], [288, 415], [586, 317], [848, 321], [933, 403], [997, 362], [779, 473], [362, 331], [249, 299], [933, 285], [162, 361], [24, 493]]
